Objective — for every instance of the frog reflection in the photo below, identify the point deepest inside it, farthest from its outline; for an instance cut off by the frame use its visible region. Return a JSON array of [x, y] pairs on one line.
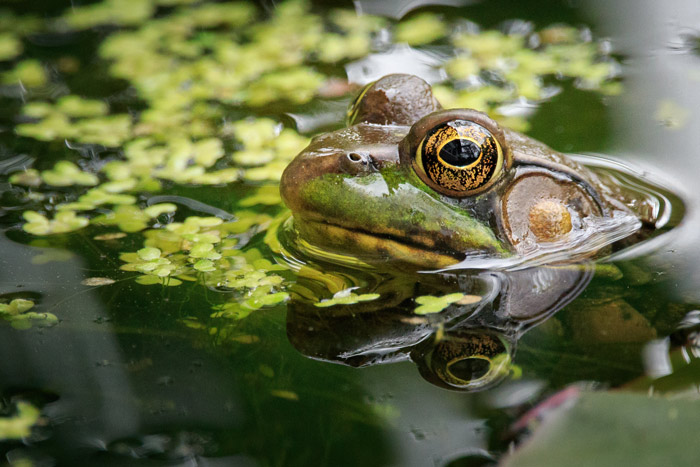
[[468, 346], [412, 183]]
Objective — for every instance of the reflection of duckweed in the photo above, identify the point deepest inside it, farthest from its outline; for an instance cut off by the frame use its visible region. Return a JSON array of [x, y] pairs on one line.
[[18, 315]]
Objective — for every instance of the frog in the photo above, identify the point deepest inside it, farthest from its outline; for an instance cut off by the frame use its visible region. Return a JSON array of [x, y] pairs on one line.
[[409, 182]]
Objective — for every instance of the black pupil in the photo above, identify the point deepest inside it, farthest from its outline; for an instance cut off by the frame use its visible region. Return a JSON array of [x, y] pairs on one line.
[[470, 369], [460, 152]]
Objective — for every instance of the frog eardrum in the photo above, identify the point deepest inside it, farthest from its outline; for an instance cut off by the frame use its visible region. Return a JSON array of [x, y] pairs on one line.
[[458, 152]]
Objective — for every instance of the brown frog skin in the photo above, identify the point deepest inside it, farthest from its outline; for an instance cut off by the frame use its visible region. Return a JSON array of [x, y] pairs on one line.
[[410, 182]]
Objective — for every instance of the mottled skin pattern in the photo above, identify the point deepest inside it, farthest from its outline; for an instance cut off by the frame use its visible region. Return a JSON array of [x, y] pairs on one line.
[[362, 190]]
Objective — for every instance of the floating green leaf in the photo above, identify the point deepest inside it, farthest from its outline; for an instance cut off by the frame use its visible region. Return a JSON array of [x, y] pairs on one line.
[[421, 29], [18, 315], [430, 304], [28, 73], [346, 297], [66, 173], [64, 221], [10, 46], [29, 177], [116, 12], [19, 424]]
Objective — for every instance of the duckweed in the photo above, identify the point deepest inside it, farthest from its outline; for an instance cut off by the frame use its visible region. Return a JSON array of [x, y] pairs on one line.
[[114, 12], [29, 178], [430, 304], [421, 29], [207, 77], [18, 315], [64, 221], [671, 114], [27, 73], [19, 425], [346, 297], [66, 173], [10, 46], [130, 218]]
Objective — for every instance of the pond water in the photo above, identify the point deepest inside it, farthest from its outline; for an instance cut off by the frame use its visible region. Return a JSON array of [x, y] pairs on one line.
[[157, 308]]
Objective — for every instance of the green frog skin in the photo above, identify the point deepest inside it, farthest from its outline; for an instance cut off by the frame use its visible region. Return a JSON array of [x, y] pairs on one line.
[[412, 183]]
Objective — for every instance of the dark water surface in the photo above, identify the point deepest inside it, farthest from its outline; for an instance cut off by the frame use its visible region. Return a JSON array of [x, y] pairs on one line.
[[122, 379]]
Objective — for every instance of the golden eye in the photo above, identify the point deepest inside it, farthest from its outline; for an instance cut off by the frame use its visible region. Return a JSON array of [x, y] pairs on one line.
[[459, 158]]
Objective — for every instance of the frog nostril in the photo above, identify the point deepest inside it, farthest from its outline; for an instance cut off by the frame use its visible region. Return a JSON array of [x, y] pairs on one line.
[[357, 163], [355, 157]]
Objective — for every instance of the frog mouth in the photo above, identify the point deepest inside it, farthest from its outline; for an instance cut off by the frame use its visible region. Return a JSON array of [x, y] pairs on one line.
[[374, 247]]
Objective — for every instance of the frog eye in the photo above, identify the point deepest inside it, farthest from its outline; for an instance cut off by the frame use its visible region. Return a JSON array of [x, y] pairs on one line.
[[459, 158], [464, 359]]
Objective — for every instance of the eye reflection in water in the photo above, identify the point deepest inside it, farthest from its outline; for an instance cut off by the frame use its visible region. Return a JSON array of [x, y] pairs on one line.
[[468, 346]]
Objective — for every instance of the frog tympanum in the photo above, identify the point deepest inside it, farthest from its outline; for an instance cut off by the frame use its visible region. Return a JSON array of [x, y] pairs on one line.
[[411, 182]]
